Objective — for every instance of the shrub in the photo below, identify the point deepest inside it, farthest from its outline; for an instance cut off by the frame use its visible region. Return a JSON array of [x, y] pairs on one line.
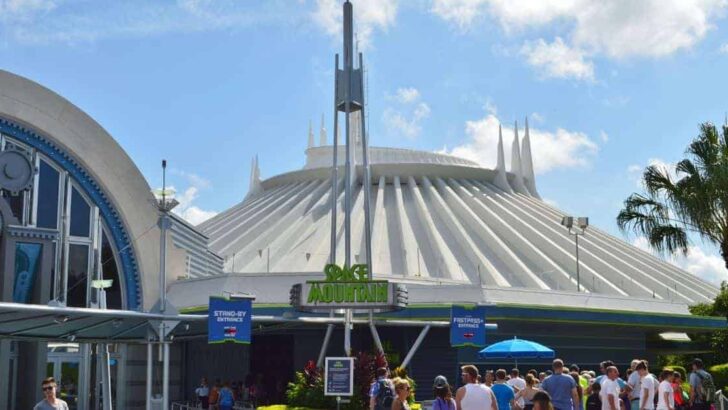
[[720, 374]]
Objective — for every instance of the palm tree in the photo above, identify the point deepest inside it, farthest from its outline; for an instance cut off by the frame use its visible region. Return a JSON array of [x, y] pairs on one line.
[[691, 199]]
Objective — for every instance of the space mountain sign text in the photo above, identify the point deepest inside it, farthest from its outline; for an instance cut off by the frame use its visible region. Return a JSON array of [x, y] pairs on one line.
[[348, 288]]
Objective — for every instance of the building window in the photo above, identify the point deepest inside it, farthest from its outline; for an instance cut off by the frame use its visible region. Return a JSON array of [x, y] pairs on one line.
[[48, 190], [80, 215], [110, 271], [27, 260], [77, 275]]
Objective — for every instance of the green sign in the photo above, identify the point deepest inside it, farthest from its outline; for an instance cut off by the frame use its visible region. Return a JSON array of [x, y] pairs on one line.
[[348, 288]]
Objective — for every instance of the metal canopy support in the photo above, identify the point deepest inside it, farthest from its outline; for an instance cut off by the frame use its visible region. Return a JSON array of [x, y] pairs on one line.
[[325, 346], [415, 346], [165, 375], [105, 377], [149, 376]]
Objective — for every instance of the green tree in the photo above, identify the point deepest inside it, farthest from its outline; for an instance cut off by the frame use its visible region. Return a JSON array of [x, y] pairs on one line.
[[692, 200]]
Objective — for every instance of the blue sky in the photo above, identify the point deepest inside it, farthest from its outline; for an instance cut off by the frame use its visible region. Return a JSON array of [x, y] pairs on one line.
[[608, 86]]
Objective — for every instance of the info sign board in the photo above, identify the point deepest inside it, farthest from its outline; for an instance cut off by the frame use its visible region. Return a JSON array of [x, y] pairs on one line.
[[467, 325], [339, 376], [228, 320]]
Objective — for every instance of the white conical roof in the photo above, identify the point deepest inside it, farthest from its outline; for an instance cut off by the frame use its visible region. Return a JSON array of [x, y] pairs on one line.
[[438, 219]]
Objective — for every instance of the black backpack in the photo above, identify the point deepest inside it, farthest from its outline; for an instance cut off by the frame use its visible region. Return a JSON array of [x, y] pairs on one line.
[[385, 396], [707, 387]]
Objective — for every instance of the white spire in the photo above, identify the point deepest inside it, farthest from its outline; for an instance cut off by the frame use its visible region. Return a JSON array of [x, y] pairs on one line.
[[501, 179], [310, 135], [322, 132], [527, 164], [516, 168], [254, 186]]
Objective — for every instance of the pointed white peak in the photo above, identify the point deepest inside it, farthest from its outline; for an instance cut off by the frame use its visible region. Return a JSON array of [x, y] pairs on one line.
[[322, 132], [527, 163], [501, 178], [516, 167], [254, 186], [310, 135]]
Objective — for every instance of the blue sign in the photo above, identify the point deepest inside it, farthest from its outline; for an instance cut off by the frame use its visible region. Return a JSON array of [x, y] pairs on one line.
[[467, 325], [339, 376], [228, 320]]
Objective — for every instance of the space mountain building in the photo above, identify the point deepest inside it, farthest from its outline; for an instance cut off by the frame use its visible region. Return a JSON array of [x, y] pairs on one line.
[[104, 290], [453, 232]]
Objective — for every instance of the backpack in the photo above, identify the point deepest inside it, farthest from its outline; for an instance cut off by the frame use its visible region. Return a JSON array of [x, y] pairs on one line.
[[226, 397], [707, 387], [385, 396]]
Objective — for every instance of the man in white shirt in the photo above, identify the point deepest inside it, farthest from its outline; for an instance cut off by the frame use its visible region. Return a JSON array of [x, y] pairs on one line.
[[610, 390], [634, 383], [648, 387], [518, 384]]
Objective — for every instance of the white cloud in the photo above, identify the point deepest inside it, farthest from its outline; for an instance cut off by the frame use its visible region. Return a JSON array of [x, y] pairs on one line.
[[555, 149], [616, 29], [635, 171], [700, 263], [369, 16], [64, 21], [187, 207], [26, 7], [407, 95], [409, 127], [459, 12], [603, 136], [557, 60], [405, 119]]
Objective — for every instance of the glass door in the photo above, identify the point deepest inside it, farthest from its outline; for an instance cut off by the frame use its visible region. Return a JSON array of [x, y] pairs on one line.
[[64, 367]]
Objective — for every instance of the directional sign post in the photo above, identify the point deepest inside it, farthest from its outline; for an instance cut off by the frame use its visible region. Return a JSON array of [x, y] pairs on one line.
[[467, 325]]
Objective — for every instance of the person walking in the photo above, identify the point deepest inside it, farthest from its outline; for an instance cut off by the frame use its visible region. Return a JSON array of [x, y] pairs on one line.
[[381, 392], [527, 393], [677, 391], [579, 390], [518, 384], [610, 389], [542, 401], [648, 385], [503, 392], [634, 382], [50, 401], [472, 395], [665, 398], [402, 391], [443, 395], [202, 392], [702, 388], [594, 402], [562, 388], [227, 399]]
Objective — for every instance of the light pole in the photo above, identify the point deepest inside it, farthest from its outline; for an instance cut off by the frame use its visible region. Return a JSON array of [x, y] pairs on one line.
[[576, 226]]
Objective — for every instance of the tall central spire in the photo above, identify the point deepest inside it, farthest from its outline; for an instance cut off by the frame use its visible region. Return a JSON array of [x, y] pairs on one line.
[[349, 100]]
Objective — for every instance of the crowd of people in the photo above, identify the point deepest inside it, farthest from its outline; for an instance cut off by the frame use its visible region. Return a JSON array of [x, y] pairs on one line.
[[222, 395], [561, 388]]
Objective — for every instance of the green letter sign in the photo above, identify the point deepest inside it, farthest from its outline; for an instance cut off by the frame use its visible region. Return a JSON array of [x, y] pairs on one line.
[[348, 288]]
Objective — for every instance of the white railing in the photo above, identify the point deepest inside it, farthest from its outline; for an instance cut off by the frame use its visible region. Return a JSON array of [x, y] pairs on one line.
[[721, 400]]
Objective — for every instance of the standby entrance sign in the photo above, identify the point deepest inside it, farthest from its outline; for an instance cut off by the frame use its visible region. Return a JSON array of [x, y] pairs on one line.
[[467, 325], [229, 320]]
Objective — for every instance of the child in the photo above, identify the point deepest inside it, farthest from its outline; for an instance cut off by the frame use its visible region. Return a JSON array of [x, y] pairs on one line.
[[594, 402]]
